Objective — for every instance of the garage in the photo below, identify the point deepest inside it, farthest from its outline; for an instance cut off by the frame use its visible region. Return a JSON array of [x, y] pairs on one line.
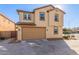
[[33, 33]]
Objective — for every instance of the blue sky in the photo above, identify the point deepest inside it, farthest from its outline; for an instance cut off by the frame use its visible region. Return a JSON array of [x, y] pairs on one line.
[[71, 18]]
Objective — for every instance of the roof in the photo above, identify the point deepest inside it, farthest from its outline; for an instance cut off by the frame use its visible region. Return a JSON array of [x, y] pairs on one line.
[[23, 11], [24, 23], [60, 10], [44, 7], [40, 8], [6, 17]]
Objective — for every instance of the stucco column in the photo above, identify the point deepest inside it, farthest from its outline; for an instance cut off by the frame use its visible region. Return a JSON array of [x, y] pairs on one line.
[[19, 33]]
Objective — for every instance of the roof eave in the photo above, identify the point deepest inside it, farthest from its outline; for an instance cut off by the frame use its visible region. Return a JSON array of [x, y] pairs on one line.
[[43, 7], [61, 10], [24, 11]]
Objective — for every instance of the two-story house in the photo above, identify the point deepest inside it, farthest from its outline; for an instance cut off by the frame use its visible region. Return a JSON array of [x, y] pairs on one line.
[[43, 23]]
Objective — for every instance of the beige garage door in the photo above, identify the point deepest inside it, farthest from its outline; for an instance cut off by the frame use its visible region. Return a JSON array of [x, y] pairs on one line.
[[34, 33]]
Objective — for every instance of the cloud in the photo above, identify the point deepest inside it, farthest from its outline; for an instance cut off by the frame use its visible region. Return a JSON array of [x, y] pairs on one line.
[[60, 6]]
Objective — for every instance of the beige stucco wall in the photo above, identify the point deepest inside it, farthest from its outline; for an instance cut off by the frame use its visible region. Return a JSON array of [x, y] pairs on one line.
[[19, 32], [37, 18], [50, 32], [52, 23], [49, 17], [5, 24]]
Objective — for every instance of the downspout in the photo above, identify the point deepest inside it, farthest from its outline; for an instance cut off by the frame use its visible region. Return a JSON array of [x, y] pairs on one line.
[[47, 24], [48, 17]]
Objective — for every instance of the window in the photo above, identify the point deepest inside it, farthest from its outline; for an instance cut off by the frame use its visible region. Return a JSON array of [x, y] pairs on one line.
[[56, 17], [42, 16], [27, 17], [55, 30]]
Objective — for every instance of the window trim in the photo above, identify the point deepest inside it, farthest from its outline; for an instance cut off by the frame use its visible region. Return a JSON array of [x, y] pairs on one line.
[[56, 30], [42, 16], [56, 18], [26, 16]]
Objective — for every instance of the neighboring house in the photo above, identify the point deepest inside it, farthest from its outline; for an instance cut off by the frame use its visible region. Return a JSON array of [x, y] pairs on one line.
[[43, 23], [75, 30], [6, 26]]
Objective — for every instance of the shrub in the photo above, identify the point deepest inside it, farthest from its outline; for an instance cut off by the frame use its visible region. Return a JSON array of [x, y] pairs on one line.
[[72, 36], [66, 37]]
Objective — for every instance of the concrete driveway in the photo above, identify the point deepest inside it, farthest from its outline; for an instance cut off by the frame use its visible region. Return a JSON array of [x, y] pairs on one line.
[[40, 47]]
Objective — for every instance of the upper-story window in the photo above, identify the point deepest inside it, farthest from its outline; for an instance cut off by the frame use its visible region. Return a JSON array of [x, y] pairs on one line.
[[27, 17], [56, 17], [42, 16], [55, 29]]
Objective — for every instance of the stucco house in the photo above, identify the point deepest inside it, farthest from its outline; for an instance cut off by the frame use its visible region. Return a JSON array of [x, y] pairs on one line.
[[7, 26], [43, 23]]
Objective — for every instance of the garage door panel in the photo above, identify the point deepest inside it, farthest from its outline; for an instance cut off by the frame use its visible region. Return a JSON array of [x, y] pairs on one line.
[[33, 33]]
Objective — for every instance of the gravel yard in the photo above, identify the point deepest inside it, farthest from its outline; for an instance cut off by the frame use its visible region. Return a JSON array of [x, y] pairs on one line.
[[40, 47]]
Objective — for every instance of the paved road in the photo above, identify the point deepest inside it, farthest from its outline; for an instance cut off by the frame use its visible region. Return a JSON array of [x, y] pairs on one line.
[[40, 47]]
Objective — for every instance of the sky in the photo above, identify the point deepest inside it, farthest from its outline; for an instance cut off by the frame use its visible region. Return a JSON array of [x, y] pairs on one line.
[[71, 18]]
